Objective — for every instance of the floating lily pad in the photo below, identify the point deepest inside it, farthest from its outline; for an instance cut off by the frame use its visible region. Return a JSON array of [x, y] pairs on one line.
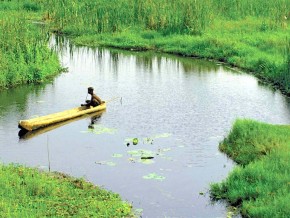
[[135, 141], [134, 153], [99, 129], [117, 155], [138, 212], [129, 140], [108, 163], [146, 161], [154, 176], [141, 153], [147, 140]]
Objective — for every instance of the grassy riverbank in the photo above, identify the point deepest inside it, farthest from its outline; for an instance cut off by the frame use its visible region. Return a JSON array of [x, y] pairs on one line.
[[24, 53], [26, 192], [260, 185], [252, 35]]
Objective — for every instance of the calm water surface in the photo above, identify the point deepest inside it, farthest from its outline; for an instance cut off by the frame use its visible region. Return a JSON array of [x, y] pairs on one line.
[[178, 108]]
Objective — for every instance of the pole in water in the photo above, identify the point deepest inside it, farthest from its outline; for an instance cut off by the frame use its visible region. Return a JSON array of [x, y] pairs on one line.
[[48, 154]]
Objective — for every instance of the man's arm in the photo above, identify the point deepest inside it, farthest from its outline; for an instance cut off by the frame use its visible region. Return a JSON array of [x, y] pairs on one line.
[[96, 98]]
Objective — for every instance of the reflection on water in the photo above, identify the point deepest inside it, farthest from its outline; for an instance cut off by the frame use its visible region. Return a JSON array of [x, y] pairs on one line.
[[178, 108], [16, 98]]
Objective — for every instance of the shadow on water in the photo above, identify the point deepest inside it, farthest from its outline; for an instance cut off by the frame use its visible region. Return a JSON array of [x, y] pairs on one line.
[[94, 117], [20, 97]]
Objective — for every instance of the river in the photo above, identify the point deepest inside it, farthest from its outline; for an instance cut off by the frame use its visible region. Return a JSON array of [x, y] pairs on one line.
[[178, 108]]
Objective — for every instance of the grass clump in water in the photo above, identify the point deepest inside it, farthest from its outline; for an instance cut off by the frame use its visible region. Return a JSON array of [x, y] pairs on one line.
[[26, 192], [260, 185]]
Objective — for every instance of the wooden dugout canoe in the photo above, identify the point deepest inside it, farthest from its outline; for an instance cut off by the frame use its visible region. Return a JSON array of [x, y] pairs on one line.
[[39, 122], [25, 135]]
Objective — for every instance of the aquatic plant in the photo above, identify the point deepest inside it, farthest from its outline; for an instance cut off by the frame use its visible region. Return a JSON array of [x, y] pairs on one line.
[[168, 17], [25, 56], [260, 186], [154, 176]]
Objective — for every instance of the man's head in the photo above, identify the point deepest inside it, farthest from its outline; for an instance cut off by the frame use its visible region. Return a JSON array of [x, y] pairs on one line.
[[90, 90]]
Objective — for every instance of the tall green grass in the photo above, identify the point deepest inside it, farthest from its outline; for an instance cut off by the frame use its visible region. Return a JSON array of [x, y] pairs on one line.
[[114, 16], [250, 34], [260, 185], [24, 53], [26, 192], [174, 16]]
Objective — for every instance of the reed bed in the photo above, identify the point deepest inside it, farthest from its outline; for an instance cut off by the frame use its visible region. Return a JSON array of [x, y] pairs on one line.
[[244, 33], [166, 16], [24, 53]]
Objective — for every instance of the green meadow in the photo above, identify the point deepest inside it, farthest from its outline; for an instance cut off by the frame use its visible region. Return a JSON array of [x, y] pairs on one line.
[[27, 192], [259, 185]]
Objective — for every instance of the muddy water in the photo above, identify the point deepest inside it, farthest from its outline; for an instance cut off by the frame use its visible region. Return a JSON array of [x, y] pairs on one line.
[[179, 109]]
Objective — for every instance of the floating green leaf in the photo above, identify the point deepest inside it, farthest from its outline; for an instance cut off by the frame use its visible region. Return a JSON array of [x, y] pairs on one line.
[[135, 141], [108, 163], [129, 140], [138, 212], [99, 129], [148, 140], [163, 135], [117, 155], [154, 176], [141, 153], [146, 161]]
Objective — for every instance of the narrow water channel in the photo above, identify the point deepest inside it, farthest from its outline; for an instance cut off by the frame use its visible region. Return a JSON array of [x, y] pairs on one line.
[[178, 108]]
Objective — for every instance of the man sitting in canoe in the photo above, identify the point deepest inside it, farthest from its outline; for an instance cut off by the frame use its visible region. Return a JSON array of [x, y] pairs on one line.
[[95, 100]]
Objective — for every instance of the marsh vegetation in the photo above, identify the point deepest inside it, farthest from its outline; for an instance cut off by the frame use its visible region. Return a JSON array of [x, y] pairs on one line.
[[260, 185], [253, 35], [24, 53], [27, 192]]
